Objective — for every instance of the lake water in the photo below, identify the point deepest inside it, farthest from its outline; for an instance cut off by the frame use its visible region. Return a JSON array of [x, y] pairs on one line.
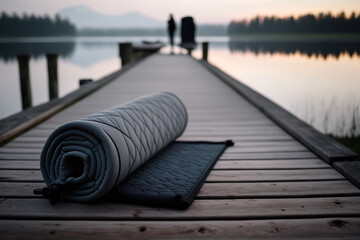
[[316, 81]]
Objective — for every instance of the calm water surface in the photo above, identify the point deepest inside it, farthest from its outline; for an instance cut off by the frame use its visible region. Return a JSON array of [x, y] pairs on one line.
[[317, 82]]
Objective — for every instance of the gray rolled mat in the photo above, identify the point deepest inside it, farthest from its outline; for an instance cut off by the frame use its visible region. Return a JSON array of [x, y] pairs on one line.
[[90, 156]]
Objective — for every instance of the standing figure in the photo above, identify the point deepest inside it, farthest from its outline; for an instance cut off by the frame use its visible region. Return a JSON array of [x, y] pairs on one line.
[[171, 31]]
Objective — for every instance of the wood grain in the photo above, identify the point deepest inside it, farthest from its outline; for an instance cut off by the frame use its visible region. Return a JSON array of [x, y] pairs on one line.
[[321, 228], [231, 209], [214, 176]]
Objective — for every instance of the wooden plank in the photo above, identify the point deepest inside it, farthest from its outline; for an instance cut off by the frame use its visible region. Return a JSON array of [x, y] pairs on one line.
[[20, 150], [281, 144], [53, 123], [192, 125], [266, 143], [278, 189], [265, 149], [19, 156], [39, 139], [220, 165], [239, 138], [20, 189], [266, 164], [214, 176], [273, 175], [329, 149], [25, 155], [235, 209], [323, 228], [234, 149], [40, 133], [14, 144], [21, 176], [226, 190], [232, 135], [276, 155], [24, 165]]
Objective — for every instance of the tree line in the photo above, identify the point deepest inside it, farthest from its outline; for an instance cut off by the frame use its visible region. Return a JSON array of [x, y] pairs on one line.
[[307, 23], [15, 26]]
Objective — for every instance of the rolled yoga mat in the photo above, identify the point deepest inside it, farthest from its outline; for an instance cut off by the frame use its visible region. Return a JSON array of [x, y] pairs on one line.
[[85, 159]]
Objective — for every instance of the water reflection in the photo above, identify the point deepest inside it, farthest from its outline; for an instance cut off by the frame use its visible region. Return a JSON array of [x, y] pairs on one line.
[[309, 48], [322, 93], [9, 50]]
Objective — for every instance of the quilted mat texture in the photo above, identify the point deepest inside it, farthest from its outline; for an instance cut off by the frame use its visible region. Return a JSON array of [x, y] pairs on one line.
[[173, 177], [87, 158]]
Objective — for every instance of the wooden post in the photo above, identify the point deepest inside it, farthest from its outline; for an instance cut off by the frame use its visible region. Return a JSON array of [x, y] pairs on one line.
[[25, 85], [205, 47], [126, 53], [52, 75]]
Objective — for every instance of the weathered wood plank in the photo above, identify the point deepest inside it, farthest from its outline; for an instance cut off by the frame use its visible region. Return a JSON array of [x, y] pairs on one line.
[[276, 155], [220, 165], [19, 156], [15, 164], [214, 176], [236, 209], [239, 138], [278, 189], [258, 122], [235, 139], [226, 190], [20, 150], [273, 175], [48, 128], [265, 149], [324, 228], [20, 189], [269, 164], [238, 145], [15, 144], [234, 149], [21, 176], [25, 155], [190, 133]]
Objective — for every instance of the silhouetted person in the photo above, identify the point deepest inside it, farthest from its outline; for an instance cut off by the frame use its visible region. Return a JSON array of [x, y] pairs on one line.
[[171, 31]]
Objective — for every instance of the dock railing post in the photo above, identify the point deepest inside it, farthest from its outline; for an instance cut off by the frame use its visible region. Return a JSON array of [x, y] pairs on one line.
[[52, 75], [25, 85], [126, 53], [205, 48]]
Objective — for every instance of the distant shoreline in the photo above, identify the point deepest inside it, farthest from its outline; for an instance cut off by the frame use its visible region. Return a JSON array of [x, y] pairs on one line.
[[301, 37], [260, 37]]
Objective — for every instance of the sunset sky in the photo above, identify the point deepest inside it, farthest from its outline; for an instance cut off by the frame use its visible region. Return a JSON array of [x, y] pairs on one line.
[[205, 11]]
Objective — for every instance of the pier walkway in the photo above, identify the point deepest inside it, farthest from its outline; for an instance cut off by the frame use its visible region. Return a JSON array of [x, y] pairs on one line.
[[268, 185]]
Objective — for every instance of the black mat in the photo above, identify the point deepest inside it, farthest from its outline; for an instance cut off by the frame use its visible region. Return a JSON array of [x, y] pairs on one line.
[[173, 177]]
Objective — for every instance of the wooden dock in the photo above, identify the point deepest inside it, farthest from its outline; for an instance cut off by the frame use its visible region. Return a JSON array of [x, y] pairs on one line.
[[269, 185]]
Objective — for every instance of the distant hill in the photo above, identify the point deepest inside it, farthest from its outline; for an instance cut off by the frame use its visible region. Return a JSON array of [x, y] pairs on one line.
[[84, 17]]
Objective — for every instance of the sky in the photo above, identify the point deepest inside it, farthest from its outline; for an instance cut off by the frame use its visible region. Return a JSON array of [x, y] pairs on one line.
[[204, 11]]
